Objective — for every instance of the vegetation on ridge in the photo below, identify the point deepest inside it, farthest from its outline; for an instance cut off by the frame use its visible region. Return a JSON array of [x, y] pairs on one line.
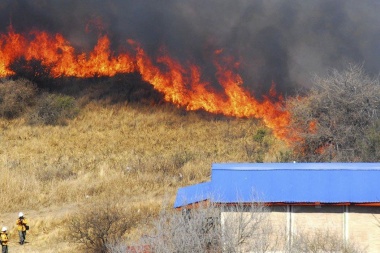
[[131, 153], [65, 150]]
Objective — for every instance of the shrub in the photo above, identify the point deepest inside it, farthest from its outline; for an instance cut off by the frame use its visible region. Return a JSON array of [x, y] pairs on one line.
[[101, 225], [260, 135], [322, 241], [54, 109], [198, 229], [259, 146], [15, 97]]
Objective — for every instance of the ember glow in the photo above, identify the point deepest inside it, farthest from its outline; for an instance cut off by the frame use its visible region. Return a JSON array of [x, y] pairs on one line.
[[181, 85]]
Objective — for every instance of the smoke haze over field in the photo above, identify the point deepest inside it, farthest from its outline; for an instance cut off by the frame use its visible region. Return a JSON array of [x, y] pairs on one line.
[[281, 41]]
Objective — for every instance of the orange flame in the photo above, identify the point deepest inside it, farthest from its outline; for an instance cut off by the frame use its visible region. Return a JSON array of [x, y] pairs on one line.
[[181, 85], [313, 126]]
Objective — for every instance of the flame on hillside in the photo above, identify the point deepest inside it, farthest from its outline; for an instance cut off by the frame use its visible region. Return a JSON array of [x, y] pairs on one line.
[[180, 85]]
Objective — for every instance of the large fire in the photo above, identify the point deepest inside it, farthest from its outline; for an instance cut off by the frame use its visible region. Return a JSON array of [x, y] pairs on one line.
[[181, 85]]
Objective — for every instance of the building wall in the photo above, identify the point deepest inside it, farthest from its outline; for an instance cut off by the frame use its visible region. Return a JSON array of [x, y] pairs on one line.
[[313, 219], [279, 218], [363, 227], [352, 224], [261, 232]]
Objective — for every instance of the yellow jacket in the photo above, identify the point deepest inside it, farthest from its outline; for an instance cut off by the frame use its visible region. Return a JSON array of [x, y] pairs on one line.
[[21, 223], [4, 238]]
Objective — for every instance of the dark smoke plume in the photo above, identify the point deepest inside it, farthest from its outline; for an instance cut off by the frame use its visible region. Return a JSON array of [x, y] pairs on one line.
[[281, 41]]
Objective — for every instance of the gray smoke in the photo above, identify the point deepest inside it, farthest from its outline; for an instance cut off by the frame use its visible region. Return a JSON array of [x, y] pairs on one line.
[[281, 41]]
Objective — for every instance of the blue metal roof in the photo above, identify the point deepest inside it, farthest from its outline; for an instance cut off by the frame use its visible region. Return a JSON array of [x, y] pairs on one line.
[[287, 182], [193, 194]]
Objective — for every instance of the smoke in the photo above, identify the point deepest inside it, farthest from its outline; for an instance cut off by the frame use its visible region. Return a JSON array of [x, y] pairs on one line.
[[281, 41]]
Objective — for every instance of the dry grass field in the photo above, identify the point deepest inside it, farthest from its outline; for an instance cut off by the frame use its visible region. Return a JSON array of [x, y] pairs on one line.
[[129, 155]]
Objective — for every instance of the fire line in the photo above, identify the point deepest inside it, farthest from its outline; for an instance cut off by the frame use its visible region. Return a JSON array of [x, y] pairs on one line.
[[181, 85]]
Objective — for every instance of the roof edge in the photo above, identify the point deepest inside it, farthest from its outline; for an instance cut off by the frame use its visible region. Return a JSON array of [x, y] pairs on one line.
[[362, 166]]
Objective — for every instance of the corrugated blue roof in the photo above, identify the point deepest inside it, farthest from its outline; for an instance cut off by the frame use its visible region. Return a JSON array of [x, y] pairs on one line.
[[193, 194], [287, 182]]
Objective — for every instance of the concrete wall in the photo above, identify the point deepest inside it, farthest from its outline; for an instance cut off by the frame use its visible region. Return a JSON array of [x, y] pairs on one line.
[[309, 219], [256, 232], [363, 227], [357, 225]]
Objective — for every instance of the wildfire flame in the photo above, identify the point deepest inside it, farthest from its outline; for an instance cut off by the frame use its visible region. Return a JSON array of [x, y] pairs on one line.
[[181, 85]]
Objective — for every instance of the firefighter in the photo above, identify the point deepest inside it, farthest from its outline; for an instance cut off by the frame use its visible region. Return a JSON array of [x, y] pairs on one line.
[[4, 240], [22, 227]]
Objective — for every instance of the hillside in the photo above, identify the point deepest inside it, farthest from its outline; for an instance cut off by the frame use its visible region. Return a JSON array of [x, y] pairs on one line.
[[130, 155], [113, 105]]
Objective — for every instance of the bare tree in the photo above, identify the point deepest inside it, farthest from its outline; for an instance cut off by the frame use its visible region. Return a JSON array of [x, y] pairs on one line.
[[247, 228], [186, 230], [334, 121], [212, 227]]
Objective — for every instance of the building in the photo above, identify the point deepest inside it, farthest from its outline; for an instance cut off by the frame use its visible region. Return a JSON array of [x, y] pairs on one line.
[[342, 198]]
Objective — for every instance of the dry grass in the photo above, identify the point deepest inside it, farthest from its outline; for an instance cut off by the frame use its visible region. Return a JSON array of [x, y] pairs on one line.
[[137, 155]]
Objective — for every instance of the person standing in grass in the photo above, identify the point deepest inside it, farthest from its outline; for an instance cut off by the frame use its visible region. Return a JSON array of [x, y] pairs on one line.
[[21, 227], [4, 240]]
